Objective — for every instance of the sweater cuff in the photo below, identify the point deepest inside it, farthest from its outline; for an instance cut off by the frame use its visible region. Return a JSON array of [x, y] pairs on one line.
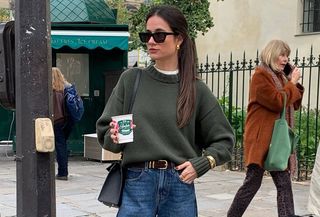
[[107, 139], [201, 165], [109, 145]]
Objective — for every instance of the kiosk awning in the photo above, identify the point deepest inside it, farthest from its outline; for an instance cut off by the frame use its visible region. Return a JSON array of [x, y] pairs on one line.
[[89, 39]]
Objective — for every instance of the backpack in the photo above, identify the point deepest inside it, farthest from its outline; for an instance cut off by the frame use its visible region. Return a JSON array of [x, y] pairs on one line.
[[74, 103]]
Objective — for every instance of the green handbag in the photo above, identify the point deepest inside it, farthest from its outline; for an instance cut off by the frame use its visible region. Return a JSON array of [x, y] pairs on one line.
[[283, 142]]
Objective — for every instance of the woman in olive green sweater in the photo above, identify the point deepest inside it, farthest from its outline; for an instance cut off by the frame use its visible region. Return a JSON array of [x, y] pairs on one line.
[[181, 131]]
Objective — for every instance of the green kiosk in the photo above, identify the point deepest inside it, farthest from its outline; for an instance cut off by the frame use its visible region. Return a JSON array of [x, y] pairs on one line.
[[92, 51]]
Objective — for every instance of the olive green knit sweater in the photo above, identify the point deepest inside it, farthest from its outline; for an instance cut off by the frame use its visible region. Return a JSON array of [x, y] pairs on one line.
[[156, 135]]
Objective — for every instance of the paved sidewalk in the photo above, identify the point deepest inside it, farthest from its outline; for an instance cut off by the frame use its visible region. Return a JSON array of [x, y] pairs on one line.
[[77, 197]]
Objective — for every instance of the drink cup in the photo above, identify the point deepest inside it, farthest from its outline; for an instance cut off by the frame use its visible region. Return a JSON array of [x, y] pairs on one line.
[[125, 131]]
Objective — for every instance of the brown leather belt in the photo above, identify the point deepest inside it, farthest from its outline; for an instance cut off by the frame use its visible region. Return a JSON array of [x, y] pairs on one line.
[[154, 164]]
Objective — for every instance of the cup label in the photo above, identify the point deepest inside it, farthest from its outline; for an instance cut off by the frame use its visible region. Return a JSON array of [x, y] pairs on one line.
[[125, 127]]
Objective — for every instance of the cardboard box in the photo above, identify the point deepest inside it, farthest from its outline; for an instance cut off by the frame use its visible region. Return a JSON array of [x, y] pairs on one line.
[[92, 149]]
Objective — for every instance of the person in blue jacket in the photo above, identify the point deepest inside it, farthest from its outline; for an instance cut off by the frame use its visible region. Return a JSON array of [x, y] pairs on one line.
[[62, 124]]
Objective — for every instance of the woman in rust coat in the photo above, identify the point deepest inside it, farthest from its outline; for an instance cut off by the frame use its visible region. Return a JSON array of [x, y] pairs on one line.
[[268, 84]]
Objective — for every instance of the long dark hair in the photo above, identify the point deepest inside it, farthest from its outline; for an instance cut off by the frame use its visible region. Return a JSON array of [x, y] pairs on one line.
[[186, 61]]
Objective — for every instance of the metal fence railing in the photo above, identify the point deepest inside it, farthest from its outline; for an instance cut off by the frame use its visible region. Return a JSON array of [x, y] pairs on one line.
[[229, 81]]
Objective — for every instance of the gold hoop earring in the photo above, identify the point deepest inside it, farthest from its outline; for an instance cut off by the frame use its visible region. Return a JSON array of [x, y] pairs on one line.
[[178, 47]]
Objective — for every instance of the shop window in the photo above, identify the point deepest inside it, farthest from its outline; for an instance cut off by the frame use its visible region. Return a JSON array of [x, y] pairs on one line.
[[311, 16], [75, 68]]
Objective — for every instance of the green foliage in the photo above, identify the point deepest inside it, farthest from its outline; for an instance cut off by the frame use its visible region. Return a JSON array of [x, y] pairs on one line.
[[237, 119], [136, 25], [196, 12], [122, 12], [306, 127], [4, 15]]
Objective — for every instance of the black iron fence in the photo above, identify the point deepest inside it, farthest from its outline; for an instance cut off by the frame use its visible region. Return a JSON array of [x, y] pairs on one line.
[[229, 81]]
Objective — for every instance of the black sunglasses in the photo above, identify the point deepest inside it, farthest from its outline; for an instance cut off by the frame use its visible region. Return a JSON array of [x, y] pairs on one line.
[[158, 37]]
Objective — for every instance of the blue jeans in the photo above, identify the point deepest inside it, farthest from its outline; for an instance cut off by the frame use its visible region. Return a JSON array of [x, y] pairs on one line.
[[155, 192], [67, 128], [61, 149]]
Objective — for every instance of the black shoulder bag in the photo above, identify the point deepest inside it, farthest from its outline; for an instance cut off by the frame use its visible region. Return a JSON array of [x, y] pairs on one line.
[[112, 188]]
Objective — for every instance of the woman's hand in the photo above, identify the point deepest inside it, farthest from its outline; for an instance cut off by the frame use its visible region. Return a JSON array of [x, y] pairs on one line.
[[188, 174], [114, 130], [296, 75]]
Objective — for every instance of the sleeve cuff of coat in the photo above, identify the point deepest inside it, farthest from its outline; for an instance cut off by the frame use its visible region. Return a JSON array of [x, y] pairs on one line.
[[300, 87], [201, 165]]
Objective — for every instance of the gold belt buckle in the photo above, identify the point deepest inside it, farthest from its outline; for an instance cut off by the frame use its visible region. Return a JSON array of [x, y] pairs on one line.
[[165, 163]]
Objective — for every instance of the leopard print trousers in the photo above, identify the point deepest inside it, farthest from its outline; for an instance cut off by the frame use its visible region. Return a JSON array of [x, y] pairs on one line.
[[252, 184]]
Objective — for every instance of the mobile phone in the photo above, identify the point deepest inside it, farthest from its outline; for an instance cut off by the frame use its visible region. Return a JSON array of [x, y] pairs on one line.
[[287, 69]]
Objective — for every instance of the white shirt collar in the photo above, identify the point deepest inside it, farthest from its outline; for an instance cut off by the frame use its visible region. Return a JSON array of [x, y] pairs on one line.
[[174, 72]]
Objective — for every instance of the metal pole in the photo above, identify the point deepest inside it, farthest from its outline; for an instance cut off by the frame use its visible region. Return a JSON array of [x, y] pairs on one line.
[[35, 171]]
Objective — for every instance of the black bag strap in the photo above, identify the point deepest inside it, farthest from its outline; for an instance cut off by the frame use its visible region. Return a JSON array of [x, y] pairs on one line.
[[133, 96], [135, 88]]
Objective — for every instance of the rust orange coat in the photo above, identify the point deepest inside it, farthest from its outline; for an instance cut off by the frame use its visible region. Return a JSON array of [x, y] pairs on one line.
[[265, 105]]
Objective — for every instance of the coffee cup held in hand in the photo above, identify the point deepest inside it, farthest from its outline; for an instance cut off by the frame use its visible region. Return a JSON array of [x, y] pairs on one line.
[[125, 129]]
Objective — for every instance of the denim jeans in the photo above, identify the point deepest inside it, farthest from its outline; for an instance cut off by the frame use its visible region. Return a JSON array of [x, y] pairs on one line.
[[61, 149], [67, 128], [156, 192]]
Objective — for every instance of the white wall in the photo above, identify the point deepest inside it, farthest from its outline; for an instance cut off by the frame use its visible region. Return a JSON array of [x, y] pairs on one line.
[[248, 25], [138, 56], [4, 4]]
